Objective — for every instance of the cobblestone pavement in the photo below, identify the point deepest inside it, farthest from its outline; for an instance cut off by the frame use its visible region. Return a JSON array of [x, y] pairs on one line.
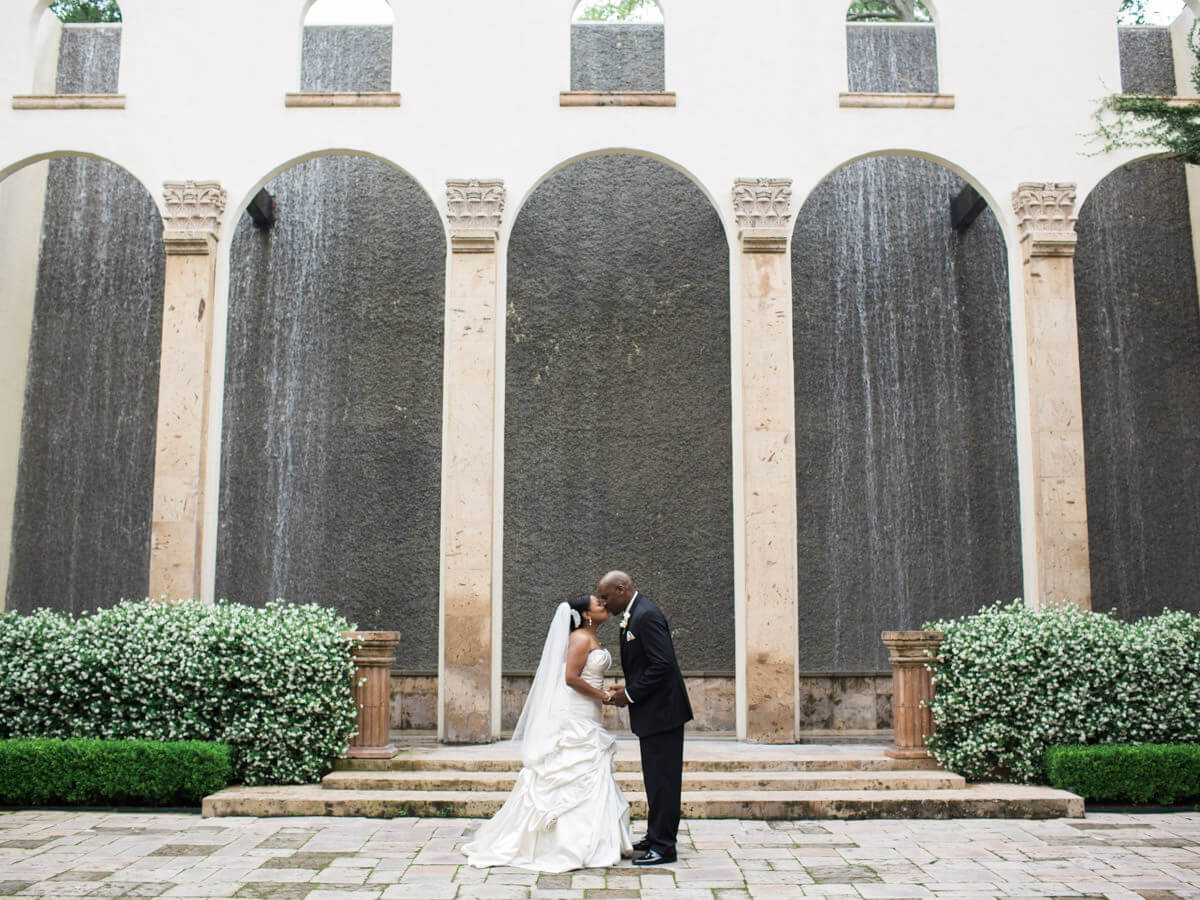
[[97, 854]]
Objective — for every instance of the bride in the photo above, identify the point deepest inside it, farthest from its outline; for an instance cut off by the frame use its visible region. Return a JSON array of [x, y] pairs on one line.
[[566, 810]]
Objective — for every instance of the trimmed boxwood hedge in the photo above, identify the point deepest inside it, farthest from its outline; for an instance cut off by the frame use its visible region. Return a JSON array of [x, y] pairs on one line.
[[84, 772], [1129, 773]]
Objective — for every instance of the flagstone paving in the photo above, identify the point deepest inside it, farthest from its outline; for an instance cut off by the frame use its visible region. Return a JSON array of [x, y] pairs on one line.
[[131, 854]]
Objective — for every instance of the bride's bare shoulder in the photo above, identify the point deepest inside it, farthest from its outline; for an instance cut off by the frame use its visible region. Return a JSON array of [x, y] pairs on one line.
[[582, 638]]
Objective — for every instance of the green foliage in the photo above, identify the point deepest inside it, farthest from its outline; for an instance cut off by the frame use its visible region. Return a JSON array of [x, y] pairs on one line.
[[1010, 682], [612, 10], [71, 11], [1127, 773], [273, 683], [94, 773], [888, 11]]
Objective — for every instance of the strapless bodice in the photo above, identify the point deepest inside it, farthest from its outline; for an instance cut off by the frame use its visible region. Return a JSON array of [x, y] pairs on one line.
[[597, 664]]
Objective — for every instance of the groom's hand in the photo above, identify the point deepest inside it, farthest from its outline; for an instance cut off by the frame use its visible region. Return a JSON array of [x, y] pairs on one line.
[[617, 697]]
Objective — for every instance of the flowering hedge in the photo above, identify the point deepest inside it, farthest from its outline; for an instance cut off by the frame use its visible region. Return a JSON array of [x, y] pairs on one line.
[[1012, 682], [273, 683]]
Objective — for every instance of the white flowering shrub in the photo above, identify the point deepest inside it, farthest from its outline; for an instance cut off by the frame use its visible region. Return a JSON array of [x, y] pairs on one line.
[[273, 683], [1011, 682]]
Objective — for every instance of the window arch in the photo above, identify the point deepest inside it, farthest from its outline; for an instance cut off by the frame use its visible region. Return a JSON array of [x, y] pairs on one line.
[[347, 47], [891, 47], [1147, 41], [617, 45], [77, 47]]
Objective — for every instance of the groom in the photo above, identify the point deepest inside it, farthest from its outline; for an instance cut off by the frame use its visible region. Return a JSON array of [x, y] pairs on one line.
[[658, 708]]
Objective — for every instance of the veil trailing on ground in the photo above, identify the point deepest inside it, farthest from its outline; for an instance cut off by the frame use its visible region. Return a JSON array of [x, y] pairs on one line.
[[538, 724]]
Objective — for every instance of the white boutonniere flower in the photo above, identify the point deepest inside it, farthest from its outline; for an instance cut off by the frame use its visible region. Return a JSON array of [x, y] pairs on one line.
[[625, 620]]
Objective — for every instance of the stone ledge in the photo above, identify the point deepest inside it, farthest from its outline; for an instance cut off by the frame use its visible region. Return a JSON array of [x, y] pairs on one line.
[[326, 99], [616, 98], [68, 101], [863, 100]]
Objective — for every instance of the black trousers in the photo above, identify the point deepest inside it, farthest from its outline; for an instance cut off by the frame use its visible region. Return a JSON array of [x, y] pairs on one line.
[[662, 770]]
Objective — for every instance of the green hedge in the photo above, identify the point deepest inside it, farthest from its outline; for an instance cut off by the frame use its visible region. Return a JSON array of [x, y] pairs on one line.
[[1012, 682], [1128, 773], [273, 683], [94, 773]]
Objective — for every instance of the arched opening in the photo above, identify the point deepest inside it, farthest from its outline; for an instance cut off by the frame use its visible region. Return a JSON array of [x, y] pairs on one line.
[[617, 45], [331, 433], [617, 446], [82, 261], [1139, 358], [77, 47], [906, 446], [1147, 45], [347, 46], [891, 47]]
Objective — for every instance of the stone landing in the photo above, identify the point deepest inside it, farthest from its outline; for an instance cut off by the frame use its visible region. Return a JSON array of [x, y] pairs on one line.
[[722, 780]]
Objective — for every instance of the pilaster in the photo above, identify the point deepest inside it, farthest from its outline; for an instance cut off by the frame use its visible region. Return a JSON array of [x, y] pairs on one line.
[[191, 226], [1045, 214], [468, 499], [768, 630]]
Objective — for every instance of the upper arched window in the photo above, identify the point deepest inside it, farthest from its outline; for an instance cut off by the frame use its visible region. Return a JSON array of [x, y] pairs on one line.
[[78, 47], [891, 47], [347, 47], [617, 45], [1147, 45]]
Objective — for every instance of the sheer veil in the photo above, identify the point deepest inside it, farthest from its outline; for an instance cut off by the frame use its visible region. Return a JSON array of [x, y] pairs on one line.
[[538, 724]]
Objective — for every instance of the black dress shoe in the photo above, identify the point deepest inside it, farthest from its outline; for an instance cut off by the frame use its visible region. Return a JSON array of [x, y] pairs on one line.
[[641, 846], [654, 858]]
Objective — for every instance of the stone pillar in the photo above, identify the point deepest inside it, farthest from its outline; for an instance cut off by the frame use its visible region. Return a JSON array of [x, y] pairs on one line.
[[468, 498], [191, 225], [768, 630], [912, 689], [373, 652], [1046, 219]]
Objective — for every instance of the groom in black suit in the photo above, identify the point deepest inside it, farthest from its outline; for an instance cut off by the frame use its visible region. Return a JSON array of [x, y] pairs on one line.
[[658, 707]]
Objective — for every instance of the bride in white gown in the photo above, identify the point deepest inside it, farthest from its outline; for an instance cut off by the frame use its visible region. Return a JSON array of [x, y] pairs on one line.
[[566, 810]]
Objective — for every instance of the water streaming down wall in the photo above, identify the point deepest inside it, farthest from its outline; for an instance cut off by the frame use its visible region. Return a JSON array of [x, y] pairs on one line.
[[331, 445], [346, 58], [905, 435], [1139, 348], [81, 517], [618, 57], [892, 58], [1147, 61], [617, 404]]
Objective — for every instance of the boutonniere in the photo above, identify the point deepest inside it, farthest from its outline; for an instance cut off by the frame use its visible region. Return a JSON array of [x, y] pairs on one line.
[[629, 636], [625, 620]]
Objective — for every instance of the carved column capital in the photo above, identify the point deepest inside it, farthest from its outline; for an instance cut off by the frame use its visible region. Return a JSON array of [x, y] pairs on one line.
[[1046, 217], [762, 208], [474, 206], [193, 217]]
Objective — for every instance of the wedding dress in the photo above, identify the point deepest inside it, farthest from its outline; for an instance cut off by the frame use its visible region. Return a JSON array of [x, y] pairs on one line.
[[566, 810]]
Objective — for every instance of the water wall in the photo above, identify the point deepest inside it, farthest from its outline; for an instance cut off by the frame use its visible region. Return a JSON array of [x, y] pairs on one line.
[[617, 58], [346, 58], [331, 443], [1147, 61], [1139, 349], [905, 438], [617, 444], [892, 58], [89, 59]]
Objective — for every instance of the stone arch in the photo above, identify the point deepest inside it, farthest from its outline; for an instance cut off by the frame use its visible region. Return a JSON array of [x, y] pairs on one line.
[[906, 452], [617, 401], [83, 264], [1139, 355], [331, 432]]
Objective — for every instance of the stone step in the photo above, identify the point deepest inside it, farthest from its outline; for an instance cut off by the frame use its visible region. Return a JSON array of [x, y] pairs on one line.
[[978, 801], [457, 780]]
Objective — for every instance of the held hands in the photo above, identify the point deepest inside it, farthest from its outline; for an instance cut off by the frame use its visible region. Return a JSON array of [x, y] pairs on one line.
[[616, 697]]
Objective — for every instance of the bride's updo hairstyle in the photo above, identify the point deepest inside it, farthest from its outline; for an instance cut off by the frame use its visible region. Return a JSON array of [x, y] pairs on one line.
[[581, 605]]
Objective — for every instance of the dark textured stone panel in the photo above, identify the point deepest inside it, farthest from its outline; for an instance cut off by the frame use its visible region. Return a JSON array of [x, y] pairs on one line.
[[892, 58], [617, 58], [1147, 60], [617, 409], [1139, 360], [331, 453], [905, 435], [346, 58], [89, 59], [85, 482]]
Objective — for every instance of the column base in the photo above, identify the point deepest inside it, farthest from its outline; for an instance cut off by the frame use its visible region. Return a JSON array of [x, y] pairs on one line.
[[387, 751]]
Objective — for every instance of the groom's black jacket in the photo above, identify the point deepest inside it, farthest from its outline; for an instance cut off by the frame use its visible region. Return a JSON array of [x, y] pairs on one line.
[[652, 676]]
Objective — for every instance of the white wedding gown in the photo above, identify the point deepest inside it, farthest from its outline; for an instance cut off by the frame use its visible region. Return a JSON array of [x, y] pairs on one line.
[[566, 810]]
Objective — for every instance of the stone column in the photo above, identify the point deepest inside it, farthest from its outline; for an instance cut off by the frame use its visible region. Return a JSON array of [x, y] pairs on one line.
[[768, 632], [1046, 218], [373, 652], [191, 225], [468, 498], [912, 689]]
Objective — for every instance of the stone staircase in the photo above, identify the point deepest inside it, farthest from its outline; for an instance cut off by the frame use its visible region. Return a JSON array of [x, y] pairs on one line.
[[722, 779]]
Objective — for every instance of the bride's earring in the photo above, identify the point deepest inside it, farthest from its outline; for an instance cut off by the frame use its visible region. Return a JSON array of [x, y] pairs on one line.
[[589, 621]]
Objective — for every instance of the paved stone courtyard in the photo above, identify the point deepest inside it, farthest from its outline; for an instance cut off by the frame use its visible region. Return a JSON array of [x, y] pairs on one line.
[[98, 854]]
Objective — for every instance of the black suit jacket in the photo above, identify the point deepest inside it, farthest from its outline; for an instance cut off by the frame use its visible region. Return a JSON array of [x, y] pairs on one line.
[[652, 676]]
